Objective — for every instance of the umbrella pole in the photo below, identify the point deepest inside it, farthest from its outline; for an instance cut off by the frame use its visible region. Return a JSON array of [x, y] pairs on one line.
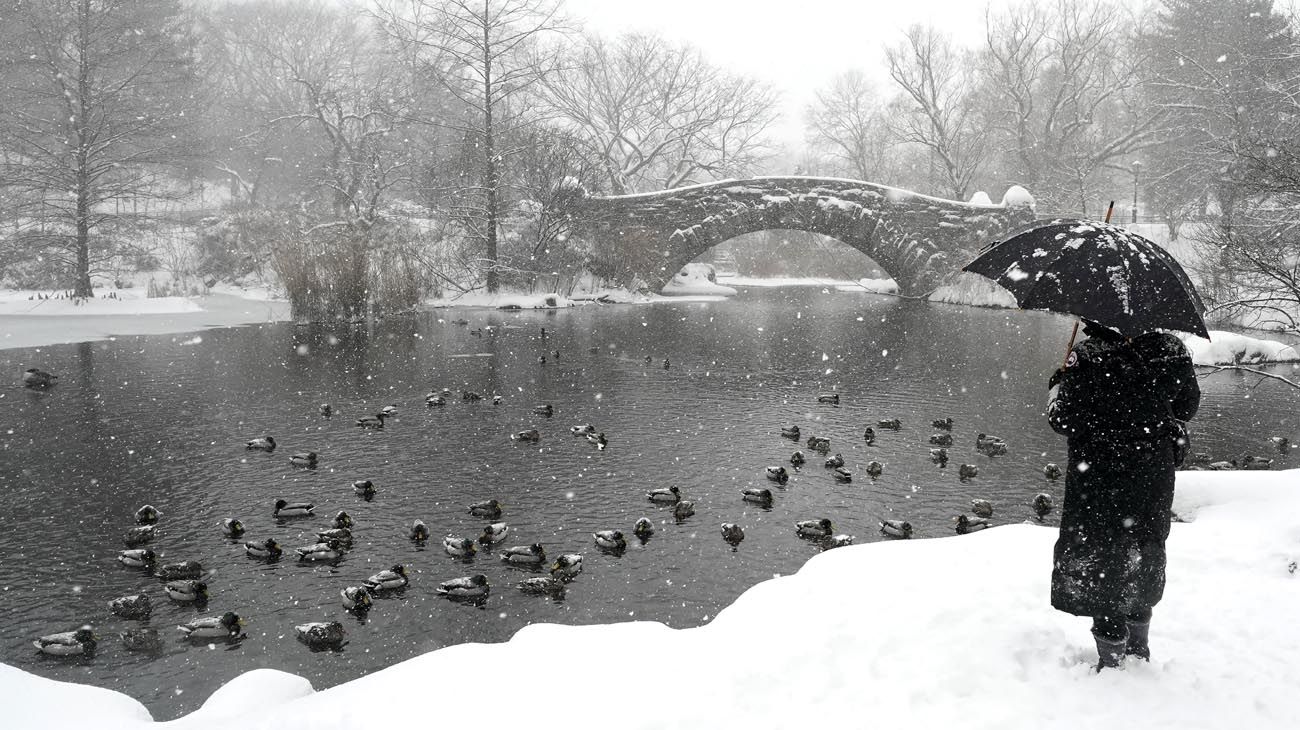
[[1110, 209], [1070, 345]]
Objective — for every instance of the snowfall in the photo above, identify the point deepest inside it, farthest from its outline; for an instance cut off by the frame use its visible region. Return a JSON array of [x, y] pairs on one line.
[[919, 633]]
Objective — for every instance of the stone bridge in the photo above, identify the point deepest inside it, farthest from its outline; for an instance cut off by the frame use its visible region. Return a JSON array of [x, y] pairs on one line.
[[918, 240]]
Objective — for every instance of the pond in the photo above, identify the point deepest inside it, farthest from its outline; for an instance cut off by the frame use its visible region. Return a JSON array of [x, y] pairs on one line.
[[163, 420]]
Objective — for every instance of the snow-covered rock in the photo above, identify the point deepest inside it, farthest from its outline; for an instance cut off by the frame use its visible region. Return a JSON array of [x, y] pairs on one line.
[[1017, 197], [696, 279], [982, 198], [1230, 348], [973, 290]]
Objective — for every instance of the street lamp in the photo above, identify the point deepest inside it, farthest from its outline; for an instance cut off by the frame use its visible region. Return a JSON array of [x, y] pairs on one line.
[[1137, 168]]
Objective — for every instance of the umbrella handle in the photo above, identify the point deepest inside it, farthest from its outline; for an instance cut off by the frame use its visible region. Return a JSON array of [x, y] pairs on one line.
[[1070, 345], [1109, 209]]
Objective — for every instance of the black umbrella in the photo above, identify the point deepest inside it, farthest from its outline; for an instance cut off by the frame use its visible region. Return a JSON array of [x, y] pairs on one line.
[[1095, 271]]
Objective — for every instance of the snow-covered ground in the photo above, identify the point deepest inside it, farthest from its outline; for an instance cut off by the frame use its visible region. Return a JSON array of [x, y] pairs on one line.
[[923, 633], [696, 280], [875, 286], [1230, 348]]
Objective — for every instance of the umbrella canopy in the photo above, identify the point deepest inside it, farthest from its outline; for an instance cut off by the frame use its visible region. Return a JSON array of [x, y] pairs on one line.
[[1095, 271]]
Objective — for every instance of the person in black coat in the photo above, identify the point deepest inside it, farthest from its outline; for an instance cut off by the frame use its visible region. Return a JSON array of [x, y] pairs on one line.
[[1123, 404]]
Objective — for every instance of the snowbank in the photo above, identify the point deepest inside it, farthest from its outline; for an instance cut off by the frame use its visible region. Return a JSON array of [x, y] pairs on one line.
[[696, 280], [927, 633], [973, 290], [126, 301], [1230, 348], [504, 300]]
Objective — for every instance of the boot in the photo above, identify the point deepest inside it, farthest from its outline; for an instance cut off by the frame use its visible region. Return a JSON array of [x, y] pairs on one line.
[[1110, 652], [1137, 640]]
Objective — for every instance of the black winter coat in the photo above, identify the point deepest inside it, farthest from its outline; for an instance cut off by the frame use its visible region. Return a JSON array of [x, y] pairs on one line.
[[1120, 403]]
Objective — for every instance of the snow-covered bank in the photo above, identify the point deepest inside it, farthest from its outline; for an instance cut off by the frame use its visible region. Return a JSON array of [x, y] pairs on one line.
[[875, 286], [1230, 348], [696, 280], [927, 633], [975, 291]]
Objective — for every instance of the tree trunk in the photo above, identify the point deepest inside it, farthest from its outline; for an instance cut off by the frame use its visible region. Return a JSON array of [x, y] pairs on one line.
[[490, 169], [81, 286]]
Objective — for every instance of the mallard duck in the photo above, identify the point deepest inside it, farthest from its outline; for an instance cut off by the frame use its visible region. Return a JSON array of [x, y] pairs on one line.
[[777, 474], [890, 424], [981, 507], [835, 461], [342, 534], [364, 488], [830, 398], [970, 524], [148, 641], [531, 435], [186, 591], [582, 430], [567, 566], [470, 395], [524, 555], [819, 444], [326, 410], [139, 535], [943, 424], [227, 625], [990, 446], [342, 519], [320, 634], [131, 607], [1254, 463], [757, 495], [1221, 465], [841, 474], [941, 439], [147, 515], [791, 432], [435, 399], [68, 643], [732, 533], [265, 443], [305, 459], [643, 528], [231, 527], [284, 508], [610, 539], [874, 469], [267, 549], [599, 440], [355, 598], [665, 495], [37, 378], [896, 528], [473, 586], [1042, 504], [545, 409], [667, 363], [1281, 443], [387, 580], [321, 552], [419, 531], [376, 421], [388, 411], [683, 509], [814, 528], [493, 533], [138, 558], [497, 400], [798, 459], [1052, 471], [541, 585], [490, 508], [458, 547], [184, 570], [967, 471], [837, 541], [869, 436], [939, 456]]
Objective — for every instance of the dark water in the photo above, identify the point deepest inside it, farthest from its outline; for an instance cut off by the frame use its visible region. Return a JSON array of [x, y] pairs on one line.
[[162, 420]]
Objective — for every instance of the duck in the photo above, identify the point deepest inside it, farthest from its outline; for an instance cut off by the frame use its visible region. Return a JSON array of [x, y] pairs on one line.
[[147, 515], [643, 528], [943, 424], [541, 359], [990, 446], [531, 435], [665, 495], [232, 527], [939, 456], [610, 539], [227, 625], [364, 488], [145, 640], [320, 634], [981, 508], [1052, 471], [37, 378], [139, 535], [285, 508], [970, 524], [184, 570], [473, 586], [869, 436], [388, 411], [582, 430], [435, 399], [667, 363], [458, 547], [267, 549], [777, 474], [131, 607], [321, 552], [1254, 463], [341, 534], [791, 432], [890, 424], [493, 533], [545, 409], [896, 528], [842, 475], [497, 400], [797, 459], [541, 585], [524, 555], [835, 461], [138, 558], [68, 643], [829, 398], [837, 541], [874, 469], [305, 459], [488, 508], [374, 422], [1221, 465], [941, 439], [187, 591], [355, 598], [983, 439], [342, 519], [265, 443], [814, 528], [1042, 504], [683, 509], [732, 533], [1281, 443], [967, 471], [387, 580], [326, 410], [419, 532], [470, 395], [599, 440], [819, 444], [757, 495], [567, 566]]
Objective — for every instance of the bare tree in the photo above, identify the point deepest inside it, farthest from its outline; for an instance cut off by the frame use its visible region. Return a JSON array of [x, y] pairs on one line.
[[851, 121], [658, 115]]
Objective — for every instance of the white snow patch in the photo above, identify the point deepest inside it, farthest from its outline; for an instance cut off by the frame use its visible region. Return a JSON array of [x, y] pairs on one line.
[[1017, 197], [696, 279], [1230, 348], [980, 198], [127, 301], [973, 290], [505, 300]]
